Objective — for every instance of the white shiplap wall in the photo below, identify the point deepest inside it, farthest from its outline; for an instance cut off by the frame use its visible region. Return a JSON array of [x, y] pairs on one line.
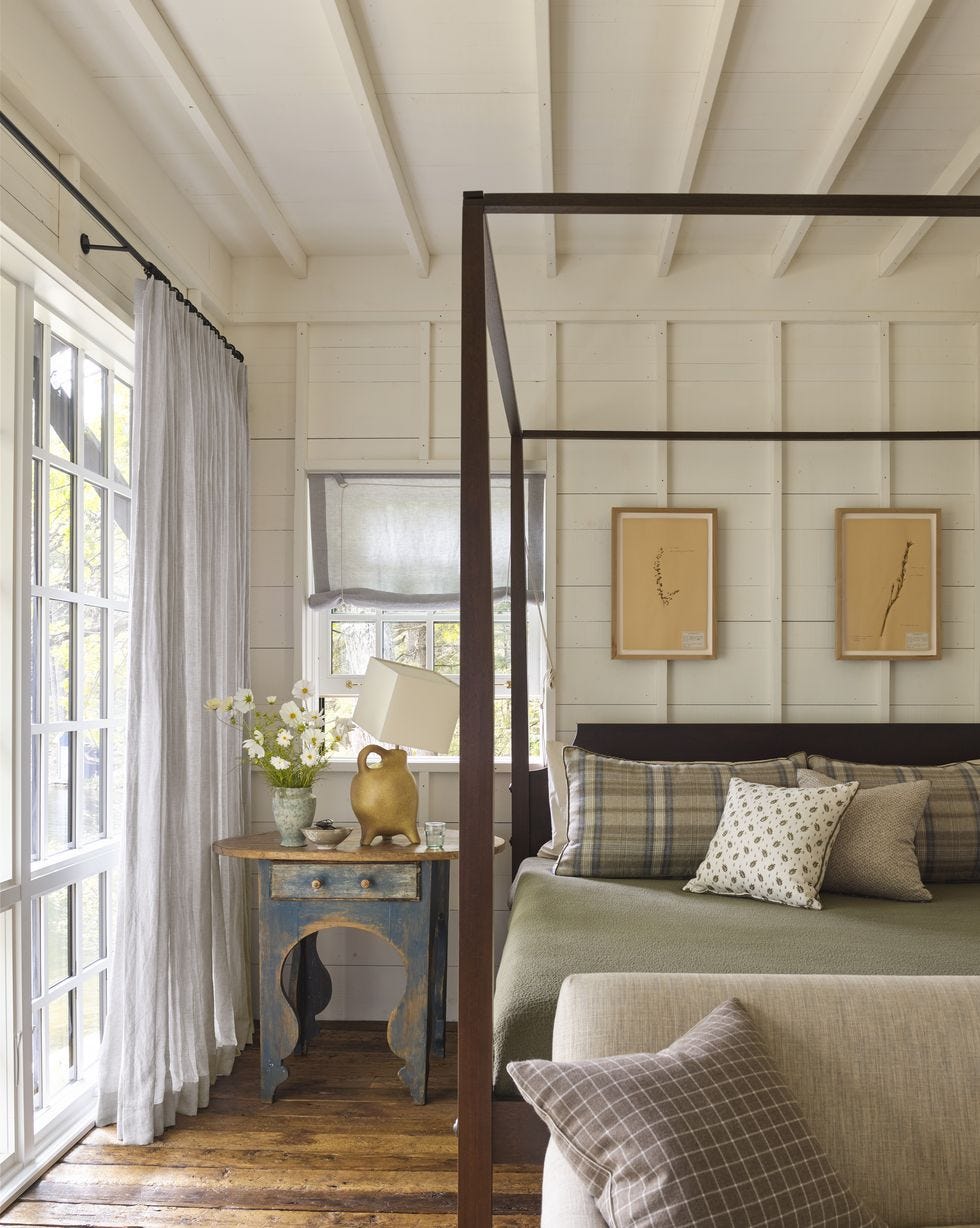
[[387, 390]]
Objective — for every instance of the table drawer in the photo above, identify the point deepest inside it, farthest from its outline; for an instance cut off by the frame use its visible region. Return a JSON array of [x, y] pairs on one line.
[[345, 882]]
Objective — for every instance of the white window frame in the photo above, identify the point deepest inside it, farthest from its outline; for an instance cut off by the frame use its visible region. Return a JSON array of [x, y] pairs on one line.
[[39, 1138]]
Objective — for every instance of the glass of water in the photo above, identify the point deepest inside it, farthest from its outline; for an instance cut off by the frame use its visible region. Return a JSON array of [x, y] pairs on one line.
[[435, 835]]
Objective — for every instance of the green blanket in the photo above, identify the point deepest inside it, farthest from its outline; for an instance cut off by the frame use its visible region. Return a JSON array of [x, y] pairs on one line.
[[564, 925]]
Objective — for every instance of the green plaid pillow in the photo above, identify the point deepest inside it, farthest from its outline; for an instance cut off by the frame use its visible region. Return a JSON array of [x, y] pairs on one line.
[[947, 842], [630, 819]]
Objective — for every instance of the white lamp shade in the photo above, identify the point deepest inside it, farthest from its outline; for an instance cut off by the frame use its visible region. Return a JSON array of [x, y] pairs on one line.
[[407, 706]]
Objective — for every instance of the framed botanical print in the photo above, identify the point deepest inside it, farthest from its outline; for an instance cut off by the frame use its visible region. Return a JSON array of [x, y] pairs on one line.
[[663, 582], [888, 567]]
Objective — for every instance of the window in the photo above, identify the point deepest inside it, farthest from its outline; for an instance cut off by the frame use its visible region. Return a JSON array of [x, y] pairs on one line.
[[75, 419], [386, 578]]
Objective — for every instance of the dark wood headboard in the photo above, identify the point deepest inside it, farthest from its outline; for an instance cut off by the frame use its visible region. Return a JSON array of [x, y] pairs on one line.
[[863, 743]]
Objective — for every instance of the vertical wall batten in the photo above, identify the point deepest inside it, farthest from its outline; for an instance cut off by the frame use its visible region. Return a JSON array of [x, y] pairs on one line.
[[425, 389], [551, 527], [976, 520], [776, 525], [476, 738], [661, 460], [302, 654]]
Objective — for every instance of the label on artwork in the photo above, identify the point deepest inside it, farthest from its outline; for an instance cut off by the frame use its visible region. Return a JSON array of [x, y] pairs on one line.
[[917, 641], [690, 640]]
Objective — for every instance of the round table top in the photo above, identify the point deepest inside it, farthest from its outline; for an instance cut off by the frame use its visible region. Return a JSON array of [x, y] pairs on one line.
[[266, 847]]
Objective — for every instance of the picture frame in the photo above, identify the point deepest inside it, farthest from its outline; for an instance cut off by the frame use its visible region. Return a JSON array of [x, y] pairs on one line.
[[887, 583], [664, 583]]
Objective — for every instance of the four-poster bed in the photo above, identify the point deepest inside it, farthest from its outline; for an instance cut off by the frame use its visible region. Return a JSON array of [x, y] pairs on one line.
[[485, 1129]]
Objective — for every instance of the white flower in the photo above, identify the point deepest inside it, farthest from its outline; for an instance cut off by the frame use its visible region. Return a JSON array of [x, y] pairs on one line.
[[244, 700], [271, 699], [284, 737], [254, 749], [290, 713], [309, 757], [259, 737], [313, 738], [303, 689], [228, 705], [278, 763], [212, 705]]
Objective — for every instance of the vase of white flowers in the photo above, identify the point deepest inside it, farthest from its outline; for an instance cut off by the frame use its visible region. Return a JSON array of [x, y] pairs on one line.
[[291, 743]]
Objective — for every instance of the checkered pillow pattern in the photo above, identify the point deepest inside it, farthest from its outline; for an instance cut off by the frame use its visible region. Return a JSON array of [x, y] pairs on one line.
[[947, 842], [704, 1134], [634, 819]]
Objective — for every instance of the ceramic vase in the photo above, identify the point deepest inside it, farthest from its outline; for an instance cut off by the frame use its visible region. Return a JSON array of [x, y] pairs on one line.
[[293, 809]]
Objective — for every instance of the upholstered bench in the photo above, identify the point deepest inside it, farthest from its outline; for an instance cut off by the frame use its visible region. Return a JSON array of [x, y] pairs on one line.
[[886, 1071]]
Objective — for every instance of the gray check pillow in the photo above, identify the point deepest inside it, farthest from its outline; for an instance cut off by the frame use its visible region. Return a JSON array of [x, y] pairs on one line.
[[773, 844], [634, 819], [874, 853], [704, 1134], [947, 842]]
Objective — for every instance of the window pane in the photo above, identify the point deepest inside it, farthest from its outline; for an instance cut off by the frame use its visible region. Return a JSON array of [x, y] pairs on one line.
[[36, 1047], [445, 639], [90, 819], [341, 707], [93, 568], [57, 801], [57, 936], [93, 637], [36, 970], [36, 382], [93, 925], [351, 644], [59, 662], [120, 546], [120, 662], [93, 415], [501, 648], [60, 519], [35, 797], [59, 1072], [61, 426], [405, 643], [122, 426], [91, 1019]]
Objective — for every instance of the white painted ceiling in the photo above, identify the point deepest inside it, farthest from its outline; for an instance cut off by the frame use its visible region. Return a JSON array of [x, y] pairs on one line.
[[461, 85]]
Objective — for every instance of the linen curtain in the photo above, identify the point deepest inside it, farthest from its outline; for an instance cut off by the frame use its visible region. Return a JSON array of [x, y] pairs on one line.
[[391, 540], [178, 992]]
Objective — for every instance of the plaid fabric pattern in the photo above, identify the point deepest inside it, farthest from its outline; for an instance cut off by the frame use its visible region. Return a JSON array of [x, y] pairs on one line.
[[704, 1133], [947, 842], [630, 819]]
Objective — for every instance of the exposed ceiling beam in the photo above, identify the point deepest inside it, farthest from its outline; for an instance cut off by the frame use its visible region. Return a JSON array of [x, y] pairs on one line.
[[350, 49], [903, 21], [719, 38], [542, 43], [157, 39], [954, 178]]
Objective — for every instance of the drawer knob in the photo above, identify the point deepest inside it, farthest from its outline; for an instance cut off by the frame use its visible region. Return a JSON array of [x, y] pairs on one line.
[[365, 883], [317, 884]]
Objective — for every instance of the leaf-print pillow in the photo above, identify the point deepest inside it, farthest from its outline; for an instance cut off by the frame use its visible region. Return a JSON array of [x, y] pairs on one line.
[[773, 844]]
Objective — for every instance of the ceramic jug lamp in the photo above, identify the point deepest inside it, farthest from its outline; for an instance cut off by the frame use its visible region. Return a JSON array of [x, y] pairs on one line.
[[407, 706]]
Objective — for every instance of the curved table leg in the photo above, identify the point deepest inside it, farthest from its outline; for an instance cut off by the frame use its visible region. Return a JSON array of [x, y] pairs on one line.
[[440, 954], [313, 991], [409, 1029], [279, 1031]]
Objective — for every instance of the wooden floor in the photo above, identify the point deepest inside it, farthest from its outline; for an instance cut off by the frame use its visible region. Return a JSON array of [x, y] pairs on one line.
[[342, 1145]]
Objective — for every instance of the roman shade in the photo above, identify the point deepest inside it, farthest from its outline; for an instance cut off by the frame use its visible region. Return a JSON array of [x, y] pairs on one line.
[[391, 540]]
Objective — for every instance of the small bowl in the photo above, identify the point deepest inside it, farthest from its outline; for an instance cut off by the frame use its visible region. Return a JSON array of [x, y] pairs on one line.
[[327, 835]]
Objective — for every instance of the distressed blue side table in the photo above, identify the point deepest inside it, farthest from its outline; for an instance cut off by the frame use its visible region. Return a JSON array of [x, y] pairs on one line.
[[396, 890]]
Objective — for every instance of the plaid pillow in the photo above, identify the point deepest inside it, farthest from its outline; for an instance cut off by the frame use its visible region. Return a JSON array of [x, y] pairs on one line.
[[947, 842], [704, 1133], [629, 819]]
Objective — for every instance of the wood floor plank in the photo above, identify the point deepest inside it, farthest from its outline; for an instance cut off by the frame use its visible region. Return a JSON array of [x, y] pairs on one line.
[[342, 1147]]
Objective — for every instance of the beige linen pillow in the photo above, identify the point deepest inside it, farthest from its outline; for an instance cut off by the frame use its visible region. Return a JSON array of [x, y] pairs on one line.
[[874, 853], [557, 800], [705, 1133], [773, 844]]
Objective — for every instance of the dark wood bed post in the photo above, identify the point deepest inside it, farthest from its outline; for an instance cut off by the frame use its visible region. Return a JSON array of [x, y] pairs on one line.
[[519, 766], [475, 1182]]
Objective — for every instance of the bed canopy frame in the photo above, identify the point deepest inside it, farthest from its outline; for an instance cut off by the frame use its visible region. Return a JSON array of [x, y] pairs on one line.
[[482, 315]]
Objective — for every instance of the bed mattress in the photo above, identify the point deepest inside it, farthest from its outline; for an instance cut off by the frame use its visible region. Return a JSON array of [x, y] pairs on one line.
[[563, 925]]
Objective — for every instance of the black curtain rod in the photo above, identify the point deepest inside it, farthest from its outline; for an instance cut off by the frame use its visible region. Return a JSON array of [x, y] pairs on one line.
[[124, 245], [758, 436], [730, 203]]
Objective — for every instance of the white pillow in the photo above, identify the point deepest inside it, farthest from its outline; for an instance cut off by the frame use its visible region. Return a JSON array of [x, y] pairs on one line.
[[773, 844], [557, 800]]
